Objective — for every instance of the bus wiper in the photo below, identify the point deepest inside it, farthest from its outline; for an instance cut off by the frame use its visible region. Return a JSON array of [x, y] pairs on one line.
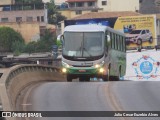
[[87, 52]]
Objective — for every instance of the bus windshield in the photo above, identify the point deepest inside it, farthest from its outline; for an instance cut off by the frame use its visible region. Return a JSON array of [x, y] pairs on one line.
[[83, 44]]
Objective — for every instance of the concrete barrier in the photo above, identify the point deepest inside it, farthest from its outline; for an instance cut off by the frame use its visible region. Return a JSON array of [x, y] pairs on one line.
[[15, 79]]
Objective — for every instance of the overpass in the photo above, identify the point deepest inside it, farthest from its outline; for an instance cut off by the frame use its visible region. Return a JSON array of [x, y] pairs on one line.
[[24, 75], [96, 96]]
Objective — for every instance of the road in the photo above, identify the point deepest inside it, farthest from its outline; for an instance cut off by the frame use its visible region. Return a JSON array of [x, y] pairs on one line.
[[92, 96]]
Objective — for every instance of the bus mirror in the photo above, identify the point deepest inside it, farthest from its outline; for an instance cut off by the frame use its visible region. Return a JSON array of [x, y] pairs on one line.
[[60, 39], [108, 38]]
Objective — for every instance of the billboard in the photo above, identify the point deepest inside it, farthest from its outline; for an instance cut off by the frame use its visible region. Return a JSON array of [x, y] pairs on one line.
[[139, 30]]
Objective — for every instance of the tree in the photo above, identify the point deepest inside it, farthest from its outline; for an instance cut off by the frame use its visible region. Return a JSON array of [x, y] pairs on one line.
[[43, 45], [8, 38], [46, 42], [31, 47], [53, 15]]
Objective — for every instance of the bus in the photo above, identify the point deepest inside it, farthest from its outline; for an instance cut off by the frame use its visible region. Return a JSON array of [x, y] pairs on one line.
[[93, 50]]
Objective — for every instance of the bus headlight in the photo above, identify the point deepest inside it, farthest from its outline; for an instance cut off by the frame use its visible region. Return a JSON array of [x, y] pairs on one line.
[[99, 64], [64, 70], [101, 70], [65, 65]]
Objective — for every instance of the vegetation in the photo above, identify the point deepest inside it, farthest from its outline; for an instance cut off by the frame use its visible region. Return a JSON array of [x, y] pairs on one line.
[[43, 45], [10, 39], [54, 17]]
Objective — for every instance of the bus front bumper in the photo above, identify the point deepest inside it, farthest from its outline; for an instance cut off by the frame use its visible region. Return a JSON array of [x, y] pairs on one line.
[[87, 71]]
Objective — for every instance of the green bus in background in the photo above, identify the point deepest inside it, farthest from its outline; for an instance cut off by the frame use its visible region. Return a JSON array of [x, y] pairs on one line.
[[93, 50]]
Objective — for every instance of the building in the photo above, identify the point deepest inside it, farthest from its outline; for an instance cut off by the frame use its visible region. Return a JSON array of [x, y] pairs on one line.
[[30, 19], [149, 6], [79, 7], [6, 2], [119, 5]]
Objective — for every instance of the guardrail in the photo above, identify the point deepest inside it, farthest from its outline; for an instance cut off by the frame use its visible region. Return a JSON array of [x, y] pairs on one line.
[[15, 79]]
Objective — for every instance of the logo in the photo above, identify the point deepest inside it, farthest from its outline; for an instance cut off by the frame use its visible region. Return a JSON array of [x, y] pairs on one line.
[[146, 67]]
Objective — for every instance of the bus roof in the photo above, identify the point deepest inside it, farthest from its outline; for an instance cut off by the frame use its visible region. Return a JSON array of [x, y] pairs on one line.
[[90, 28]]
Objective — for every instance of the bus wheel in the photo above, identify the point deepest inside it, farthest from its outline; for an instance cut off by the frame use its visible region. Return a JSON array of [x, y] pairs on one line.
[[81, 79], [119, 75], [108, 75], [105, 77], [69, 78], [87, 79]]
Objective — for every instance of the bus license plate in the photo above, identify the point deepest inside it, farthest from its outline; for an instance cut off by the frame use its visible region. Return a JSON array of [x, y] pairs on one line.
[[82, 70]]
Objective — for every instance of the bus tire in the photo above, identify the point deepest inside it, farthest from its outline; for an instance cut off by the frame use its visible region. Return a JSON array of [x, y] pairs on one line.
[[117, 78], [105, 77], [87, 79], [108, 75], [81, 79], [112, 78], [69, 78]]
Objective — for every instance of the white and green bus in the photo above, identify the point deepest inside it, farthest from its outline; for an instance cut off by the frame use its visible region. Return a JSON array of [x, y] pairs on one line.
[[92, 50]]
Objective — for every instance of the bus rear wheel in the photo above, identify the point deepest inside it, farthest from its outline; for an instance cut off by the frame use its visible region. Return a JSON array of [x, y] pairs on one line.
[[105, 77], [108, 75], [119, 75]]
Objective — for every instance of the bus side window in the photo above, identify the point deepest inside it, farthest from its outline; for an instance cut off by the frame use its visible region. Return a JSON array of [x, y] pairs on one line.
[[107, 38], [109, 33], [124, 44], [121, 43], [106, 33], [112, 39], [118, 42], [115, 41]]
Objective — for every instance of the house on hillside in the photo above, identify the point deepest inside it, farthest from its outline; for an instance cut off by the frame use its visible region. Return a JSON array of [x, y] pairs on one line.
[[79, 7], [29, 19]]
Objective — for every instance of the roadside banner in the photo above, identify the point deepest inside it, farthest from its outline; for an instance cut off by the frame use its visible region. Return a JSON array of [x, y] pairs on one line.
[[143, 65]]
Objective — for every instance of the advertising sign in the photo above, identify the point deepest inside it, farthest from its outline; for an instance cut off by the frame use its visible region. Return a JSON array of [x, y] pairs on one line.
[[139, 30], [143, 65]]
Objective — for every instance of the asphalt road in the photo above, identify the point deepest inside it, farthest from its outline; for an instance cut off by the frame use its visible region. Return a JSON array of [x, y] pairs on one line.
[[92, 96]]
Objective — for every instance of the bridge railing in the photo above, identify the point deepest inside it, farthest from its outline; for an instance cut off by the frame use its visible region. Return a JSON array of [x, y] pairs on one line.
[[17, 78]]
